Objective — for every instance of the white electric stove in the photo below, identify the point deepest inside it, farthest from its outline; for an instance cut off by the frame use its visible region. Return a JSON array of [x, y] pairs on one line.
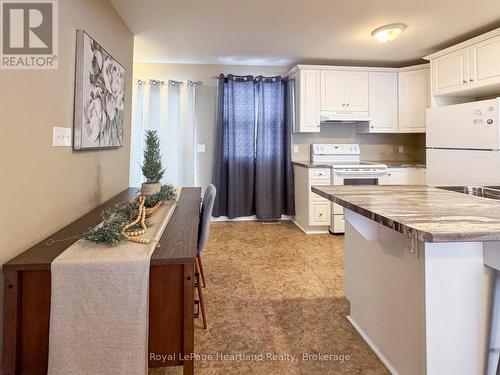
[[347, 169]]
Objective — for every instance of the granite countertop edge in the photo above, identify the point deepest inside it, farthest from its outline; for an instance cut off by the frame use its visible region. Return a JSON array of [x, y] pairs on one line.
[[378, 218], [396, 225], [390, 164]]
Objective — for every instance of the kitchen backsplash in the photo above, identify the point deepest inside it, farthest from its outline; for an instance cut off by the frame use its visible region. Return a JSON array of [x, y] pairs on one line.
[[373, 146]]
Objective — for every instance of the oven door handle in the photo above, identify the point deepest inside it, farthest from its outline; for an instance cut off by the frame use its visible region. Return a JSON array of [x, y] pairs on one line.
[[379, 172]]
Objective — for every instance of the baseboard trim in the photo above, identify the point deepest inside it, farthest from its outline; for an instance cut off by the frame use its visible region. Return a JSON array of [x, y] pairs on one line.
[[370, 343], [310, 231], [247, 218]]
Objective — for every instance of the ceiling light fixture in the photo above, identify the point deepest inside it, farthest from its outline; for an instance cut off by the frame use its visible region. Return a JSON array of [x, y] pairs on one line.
[[388, 32]]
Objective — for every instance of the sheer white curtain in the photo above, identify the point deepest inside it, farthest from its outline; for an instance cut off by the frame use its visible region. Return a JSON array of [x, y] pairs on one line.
[[170, 109]]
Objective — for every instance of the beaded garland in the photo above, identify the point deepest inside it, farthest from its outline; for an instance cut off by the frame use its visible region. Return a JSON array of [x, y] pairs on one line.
[[141, 217]]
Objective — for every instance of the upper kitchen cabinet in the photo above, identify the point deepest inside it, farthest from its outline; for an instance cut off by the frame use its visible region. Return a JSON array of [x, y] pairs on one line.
[[414, 99], [332, 91], [344, 94], [468, 69], [484, 60], [450, 72], [383, 102], [379, 100], [306, 83]]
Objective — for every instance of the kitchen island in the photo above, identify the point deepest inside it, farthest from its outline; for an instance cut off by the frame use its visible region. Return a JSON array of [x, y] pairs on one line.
[[421, 294]]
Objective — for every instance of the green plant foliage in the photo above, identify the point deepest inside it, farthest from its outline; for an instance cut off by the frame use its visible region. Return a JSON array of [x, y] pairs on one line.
[[115, 217], [166, 193], [108, 233], [152, 169], [127, 210]]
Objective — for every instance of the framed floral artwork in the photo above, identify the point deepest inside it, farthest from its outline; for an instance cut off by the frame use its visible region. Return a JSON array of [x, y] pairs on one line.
[[99, 97]]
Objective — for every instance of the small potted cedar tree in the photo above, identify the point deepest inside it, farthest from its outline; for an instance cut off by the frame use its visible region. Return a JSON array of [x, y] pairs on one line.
[[152, 169]]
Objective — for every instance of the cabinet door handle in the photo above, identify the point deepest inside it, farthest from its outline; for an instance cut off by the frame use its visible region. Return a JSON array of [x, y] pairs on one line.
[[464, 81], [347, 105], [343, 105], [471, 80]]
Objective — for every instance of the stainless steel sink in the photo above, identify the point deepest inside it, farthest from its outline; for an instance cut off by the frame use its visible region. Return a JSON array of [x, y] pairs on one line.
[[492, 192]]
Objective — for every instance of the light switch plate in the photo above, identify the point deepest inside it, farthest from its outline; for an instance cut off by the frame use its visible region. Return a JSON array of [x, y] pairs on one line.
[[61, 137], [295, 149], [200, 147], [401, 149]]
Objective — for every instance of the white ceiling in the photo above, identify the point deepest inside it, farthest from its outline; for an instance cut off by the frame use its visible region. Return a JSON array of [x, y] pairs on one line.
[[283, 32]]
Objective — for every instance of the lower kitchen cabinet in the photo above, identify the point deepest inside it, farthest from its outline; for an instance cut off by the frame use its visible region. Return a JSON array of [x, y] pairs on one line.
[[319, 213], [312, 212], [404, 176]]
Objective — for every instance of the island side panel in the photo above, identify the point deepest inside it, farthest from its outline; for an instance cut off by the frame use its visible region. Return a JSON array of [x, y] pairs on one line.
[[459, 290], [385, 287]]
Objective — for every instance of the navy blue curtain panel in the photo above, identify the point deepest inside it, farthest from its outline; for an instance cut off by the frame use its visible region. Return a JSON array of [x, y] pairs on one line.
[[234, 174], [253, 171]]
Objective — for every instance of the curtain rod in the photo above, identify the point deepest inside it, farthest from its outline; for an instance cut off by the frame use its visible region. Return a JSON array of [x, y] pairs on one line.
[[256, 78], [171, 82]]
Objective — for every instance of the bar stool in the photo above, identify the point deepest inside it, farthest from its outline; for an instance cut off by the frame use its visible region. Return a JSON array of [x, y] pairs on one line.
[[207, 206]]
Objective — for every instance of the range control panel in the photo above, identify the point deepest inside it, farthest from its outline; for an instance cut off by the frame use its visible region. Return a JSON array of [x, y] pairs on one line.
[[335, 149]]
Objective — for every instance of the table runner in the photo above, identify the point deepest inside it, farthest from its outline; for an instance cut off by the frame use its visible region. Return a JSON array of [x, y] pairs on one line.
[[99, 305]]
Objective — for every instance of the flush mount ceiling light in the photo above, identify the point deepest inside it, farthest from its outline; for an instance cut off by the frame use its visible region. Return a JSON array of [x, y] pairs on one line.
[[388, 32]]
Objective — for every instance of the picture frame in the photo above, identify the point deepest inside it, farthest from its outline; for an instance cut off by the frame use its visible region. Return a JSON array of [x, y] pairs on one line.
[[99, 97]]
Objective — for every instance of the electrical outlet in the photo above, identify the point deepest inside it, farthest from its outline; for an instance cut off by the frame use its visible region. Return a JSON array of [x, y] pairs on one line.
[[200, 147], [61, 137], [295, 149], [401, 149]]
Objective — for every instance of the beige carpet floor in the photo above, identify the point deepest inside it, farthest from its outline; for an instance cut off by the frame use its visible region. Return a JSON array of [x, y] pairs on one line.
[[271, 289]]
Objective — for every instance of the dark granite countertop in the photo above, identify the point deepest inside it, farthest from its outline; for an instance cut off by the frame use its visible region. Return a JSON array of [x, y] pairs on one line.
[[425, 213], [311, 164], [400, 164], [389, 163]]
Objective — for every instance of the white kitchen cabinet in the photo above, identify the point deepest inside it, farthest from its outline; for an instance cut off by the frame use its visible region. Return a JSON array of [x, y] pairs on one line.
[[383, 102], [468, 69], [395, 176], [313, 197], [312, 212], [307, 100], [319, 213], [450, 72], [485, 63], [404, 176], [379, 100], [344, 90], [414, 99], [332, 91], [356, 91]]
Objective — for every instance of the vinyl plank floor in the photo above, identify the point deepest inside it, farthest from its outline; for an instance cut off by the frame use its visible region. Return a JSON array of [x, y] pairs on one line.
[[277, 294]]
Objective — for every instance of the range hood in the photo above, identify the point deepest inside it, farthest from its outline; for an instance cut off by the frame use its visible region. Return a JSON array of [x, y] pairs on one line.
[[343, 117]]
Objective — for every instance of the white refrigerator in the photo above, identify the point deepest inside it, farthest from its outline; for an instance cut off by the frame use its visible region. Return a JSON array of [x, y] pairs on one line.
[[463, 144]]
